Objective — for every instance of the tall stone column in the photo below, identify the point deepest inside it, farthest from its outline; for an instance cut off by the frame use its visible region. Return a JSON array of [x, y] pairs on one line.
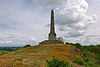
[[52, 34]]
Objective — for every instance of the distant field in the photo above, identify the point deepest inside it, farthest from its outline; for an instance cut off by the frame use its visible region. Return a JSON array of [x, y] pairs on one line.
[[4, 50]]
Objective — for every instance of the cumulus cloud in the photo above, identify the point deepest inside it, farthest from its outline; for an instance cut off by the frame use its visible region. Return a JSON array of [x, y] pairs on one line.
[[73, 16], [25, 20], [70, 15]]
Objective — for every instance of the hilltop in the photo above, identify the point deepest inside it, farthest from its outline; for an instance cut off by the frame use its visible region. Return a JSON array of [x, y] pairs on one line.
[[36, 56]]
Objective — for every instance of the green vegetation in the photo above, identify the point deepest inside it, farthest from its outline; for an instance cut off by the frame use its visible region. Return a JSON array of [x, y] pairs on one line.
[[36, 56], [4, 50], [28, 45], [92, 52], [78, 61], [85, 62], [55, 62]]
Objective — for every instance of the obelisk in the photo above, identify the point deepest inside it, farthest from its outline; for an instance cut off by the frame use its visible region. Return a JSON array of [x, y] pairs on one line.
[[52, 34]]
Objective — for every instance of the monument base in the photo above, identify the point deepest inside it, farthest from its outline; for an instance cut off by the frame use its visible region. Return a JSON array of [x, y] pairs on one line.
[[51, 42]]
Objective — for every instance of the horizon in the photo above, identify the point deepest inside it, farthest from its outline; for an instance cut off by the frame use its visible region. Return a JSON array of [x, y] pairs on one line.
[[25, 22]]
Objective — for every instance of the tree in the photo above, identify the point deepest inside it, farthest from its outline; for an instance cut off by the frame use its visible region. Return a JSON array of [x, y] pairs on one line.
[[78, 45], [28, 45], [67, 43]]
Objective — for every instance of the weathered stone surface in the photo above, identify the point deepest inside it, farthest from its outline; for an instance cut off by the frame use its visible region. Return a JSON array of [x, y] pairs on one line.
[[51, 42], [52, 35]]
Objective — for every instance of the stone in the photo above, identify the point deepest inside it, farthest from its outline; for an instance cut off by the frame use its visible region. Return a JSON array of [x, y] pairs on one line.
[[52, 35]]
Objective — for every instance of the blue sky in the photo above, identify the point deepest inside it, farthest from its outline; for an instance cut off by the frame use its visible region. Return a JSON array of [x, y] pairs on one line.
[[25, 21]]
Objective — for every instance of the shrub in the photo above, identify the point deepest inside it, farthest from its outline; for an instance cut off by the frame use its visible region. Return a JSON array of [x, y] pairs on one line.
[[28, 45], [86, 59], [78, 61], [78, 45], [91, 64], [57, 63], [67, 43], [86, 62]]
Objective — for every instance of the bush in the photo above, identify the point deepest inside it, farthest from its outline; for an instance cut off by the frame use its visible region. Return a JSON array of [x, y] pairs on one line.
[[91, 64], [78, 61], [86, 62], [78, 45], [28, 45], [67, 43], [92, 52], [58, 63], [86, 59]]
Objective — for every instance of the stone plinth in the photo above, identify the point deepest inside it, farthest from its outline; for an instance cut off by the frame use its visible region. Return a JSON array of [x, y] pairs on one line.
[[51, 42]]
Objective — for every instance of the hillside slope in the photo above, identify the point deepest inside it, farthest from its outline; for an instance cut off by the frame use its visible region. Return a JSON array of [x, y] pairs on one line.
[[36, 56]]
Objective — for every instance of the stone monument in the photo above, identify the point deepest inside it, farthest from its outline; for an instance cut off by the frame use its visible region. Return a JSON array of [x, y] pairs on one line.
[[52, 35]]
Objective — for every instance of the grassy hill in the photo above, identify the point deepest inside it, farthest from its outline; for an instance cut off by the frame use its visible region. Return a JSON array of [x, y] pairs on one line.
[[36, 56]]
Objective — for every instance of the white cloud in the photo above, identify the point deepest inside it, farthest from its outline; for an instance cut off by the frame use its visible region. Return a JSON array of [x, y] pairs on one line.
[[85, 40], [72, 19], [70, 15], [5, 42], [73, 16], [25, 20], [35, 40]]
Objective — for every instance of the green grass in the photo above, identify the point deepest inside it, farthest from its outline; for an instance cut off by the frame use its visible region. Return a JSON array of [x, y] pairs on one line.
[[38, 55]]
